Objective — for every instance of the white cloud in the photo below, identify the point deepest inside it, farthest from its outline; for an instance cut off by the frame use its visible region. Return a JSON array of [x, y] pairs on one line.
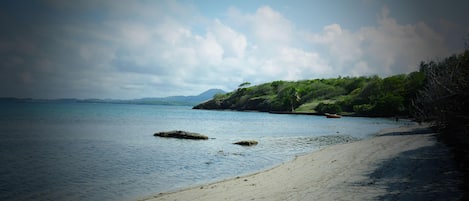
[[387, 49], [143, 49], [234, 43], [294, 64], [264, 48], [270, 26], [329, 35], [172, 32], [208, 50], [220, 55], [399, 48], [273, 52], [360, 68]]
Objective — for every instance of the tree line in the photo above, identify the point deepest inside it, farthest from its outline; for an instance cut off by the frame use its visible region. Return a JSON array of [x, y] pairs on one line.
[[444, 97], [443, 100]]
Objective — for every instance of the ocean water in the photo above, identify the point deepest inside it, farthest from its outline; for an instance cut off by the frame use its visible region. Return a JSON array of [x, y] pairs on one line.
[[83, 151]]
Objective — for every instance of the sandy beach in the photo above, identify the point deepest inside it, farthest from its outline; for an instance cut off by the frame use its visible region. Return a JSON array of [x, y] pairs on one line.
[[406, 163]]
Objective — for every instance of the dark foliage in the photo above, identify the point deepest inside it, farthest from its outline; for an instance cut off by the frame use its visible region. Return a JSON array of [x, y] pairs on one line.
[[444, 101], [445, 95], [328, 108]]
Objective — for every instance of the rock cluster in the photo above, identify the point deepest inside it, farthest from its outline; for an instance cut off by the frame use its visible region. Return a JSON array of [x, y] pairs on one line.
[[181, 135], [196, 136]]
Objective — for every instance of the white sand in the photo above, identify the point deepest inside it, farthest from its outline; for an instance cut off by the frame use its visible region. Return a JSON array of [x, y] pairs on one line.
[[400, 164]]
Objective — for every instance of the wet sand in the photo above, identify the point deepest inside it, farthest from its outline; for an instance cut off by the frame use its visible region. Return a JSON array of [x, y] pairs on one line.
[[406, 163]]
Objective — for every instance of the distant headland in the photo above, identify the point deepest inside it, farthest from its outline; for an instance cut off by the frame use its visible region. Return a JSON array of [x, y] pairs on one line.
[[170, 100]]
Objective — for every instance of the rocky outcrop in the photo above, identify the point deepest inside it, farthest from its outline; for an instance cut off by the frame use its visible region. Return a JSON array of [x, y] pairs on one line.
[[210, 105], [232, 103], [181, 135], [246, 143]]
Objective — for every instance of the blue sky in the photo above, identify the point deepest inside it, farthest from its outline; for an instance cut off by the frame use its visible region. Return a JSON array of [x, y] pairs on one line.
[[133, 49]]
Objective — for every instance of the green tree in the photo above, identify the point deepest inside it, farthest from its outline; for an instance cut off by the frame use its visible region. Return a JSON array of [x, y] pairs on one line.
[[288, 98], [388, 105], [294, 98], [244, 84], [277, 86], [328, 108], [394, 84]]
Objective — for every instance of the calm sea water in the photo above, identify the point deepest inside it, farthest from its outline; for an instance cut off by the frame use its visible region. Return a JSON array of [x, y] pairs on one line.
[[82, 151]]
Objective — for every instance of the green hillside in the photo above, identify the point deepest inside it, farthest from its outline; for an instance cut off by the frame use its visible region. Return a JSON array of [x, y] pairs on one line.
[[367, 96]]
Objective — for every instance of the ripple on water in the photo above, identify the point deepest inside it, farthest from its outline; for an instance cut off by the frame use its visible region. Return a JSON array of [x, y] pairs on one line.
[[108, 151]]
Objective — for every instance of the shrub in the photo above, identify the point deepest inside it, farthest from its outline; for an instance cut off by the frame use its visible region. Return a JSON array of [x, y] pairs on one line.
[[363, 108], [328, 108]]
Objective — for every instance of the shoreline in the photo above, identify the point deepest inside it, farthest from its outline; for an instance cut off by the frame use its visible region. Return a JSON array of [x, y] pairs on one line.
[[381, 167]]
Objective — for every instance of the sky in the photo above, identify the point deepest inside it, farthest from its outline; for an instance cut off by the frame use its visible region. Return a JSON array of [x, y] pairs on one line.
[[123, 49]]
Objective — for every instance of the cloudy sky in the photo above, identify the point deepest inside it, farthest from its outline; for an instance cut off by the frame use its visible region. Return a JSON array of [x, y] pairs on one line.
[[133, 49]]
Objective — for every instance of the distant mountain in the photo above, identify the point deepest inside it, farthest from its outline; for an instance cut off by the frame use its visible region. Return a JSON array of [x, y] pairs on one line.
[[171, 100], [181, 100], [207, 95]]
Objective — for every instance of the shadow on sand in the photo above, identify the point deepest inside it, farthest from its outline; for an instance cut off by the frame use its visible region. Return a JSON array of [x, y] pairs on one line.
[[415, 131], [427, 173]]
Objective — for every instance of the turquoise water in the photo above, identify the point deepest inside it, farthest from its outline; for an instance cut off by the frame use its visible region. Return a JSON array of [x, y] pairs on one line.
[[83, 151]]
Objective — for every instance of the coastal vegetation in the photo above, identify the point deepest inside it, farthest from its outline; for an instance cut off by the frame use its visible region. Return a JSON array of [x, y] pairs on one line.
[[365, 96], [445, 94], [443, 100]]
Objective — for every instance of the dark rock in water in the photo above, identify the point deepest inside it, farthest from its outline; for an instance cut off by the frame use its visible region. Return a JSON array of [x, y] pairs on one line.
[[181, 135], [246, 143]]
